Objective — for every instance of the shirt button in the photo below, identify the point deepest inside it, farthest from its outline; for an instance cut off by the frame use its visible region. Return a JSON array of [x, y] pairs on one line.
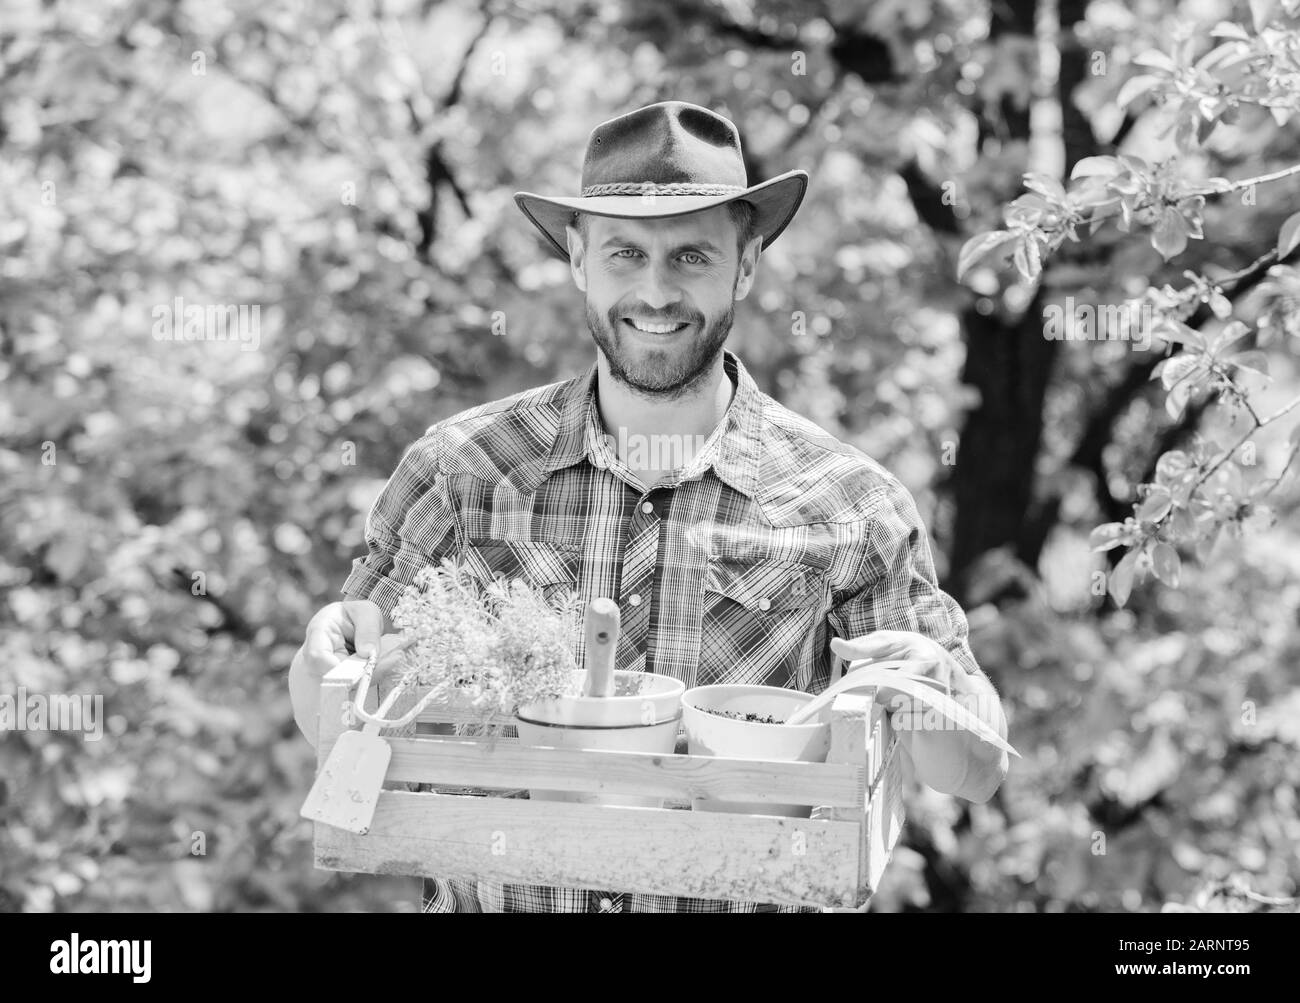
[[647, 507], [635, 598], [606, 905], [765, 604]]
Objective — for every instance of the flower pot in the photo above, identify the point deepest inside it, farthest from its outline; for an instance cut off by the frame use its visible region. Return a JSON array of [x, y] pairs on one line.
[[643, 719], [714, 735]]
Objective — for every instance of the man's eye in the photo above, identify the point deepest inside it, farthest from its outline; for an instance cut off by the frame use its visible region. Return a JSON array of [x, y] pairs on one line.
[[625, 250], [699, 258]]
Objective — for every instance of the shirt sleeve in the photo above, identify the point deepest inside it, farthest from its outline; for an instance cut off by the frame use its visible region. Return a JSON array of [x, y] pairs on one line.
[[410, 526], [901, 591]]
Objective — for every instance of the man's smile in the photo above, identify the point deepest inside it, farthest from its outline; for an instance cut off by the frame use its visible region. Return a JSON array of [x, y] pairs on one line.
[[659, 328]]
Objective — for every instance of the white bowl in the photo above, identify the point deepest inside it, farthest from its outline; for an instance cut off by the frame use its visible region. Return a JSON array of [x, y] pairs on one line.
[[713, 735], [658, 700], [645, 721]]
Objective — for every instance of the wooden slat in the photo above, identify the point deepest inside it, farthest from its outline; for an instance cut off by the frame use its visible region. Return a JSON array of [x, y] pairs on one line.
[[462, 714], [697, 854], [432, 760], [474, 739], [879, 734], [885, 807], [455, 709], [850, 713]]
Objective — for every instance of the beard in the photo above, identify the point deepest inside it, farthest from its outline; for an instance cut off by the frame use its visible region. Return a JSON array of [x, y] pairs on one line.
[[663, 374]]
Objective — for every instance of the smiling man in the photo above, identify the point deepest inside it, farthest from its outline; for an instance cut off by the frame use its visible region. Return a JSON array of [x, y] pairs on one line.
[[759, 548]]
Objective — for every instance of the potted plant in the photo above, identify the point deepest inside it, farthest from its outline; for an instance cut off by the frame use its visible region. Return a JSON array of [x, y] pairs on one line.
[[749, 722], [493, 645], [508, 652]]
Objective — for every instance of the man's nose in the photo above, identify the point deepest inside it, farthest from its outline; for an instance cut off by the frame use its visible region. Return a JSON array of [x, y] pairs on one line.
[[656, 288]]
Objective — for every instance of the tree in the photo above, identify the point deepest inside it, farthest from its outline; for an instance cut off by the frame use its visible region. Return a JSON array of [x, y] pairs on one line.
[[1195, 493]]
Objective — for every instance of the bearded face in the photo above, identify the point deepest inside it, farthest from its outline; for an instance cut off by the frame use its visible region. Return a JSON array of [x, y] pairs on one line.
[[661, 295]]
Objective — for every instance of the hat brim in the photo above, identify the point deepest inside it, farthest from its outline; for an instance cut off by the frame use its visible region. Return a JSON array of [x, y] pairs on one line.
[[775, 202]]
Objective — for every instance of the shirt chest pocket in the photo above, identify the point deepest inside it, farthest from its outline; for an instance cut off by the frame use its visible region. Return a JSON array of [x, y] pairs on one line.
[[759, 622], [550, 568]]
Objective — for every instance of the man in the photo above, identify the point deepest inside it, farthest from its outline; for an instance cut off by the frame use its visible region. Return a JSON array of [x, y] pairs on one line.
[[748, 550]]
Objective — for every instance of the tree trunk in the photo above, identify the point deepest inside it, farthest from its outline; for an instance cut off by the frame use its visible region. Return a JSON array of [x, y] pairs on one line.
[[1010, 363]]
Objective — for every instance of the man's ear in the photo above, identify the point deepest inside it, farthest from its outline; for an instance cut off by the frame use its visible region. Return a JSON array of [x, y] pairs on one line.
[[577, 257], [748, 266]]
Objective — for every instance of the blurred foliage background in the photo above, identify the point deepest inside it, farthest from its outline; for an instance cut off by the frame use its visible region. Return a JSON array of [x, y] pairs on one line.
[[348, 167]]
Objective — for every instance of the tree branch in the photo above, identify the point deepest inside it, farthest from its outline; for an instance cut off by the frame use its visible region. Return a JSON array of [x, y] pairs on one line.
[[436, 169], [927, 200], [1097, 433]]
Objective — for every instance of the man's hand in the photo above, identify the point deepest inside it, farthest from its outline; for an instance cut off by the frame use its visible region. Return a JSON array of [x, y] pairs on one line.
[[336, 631], [951, 760], [927, 657]]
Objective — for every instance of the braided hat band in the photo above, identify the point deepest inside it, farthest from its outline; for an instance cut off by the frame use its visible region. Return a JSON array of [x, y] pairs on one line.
[[650, 188]]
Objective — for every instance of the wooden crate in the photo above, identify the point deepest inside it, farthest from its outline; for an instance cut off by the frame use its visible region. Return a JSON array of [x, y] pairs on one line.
[[833, 859]]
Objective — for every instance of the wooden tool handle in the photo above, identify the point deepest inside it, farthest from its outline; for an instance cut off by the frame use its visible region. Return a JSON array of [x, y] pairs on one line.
[[600, 626]]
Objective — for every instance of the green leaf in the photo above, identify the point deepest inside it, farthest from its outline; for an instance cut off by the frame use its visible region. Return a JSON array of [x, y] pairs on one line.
[[1135, 164], [1226, 29], [1253, 361], [1156, 505], [1026, 257], [1172, 464], [979, 247], [1288, 236], [1135, 87], [1107, 536], [1120, 582], [1157, 60], [1182, 525], [1169, 236], [1176, 402], [1093, 193], [1165, 564], [1093, 166], [1262, 13], [1187, 133], [1234, 331], [1177, 333], [1178, 369], [1045, 185]]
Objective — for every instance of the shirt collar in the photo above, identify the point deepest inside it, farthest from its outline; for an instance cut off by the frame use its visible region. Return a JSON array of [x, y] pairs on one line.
[[731, 451]]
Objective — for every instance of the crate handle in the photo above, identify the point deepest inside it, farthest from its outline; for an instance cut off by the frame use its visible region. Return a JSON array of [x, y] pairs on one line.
[[378, 721]]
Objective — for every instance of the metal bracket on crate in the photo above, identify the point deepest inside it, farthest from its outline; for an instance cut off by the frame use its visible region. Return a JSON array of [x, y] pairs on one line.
[[832, 859]]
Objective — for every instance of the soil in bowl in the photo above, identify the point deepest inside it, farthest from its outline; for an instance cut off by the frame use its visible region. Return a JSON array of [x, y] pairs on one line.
[[736, 715]]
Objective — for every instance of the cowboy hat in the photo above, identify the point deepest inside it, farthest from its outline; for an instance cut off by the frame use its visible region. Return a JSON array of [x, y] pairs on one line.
[[665, 159]]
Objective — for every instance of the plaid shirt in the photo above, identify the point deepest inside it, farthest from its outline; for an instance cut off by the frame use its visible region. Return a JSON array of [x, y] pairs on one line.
[[738, 568]]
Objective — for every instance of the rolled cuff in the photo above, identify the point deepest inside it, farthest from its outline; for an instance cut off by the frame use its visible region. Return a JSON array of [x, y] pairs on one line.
[[365, 583]]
